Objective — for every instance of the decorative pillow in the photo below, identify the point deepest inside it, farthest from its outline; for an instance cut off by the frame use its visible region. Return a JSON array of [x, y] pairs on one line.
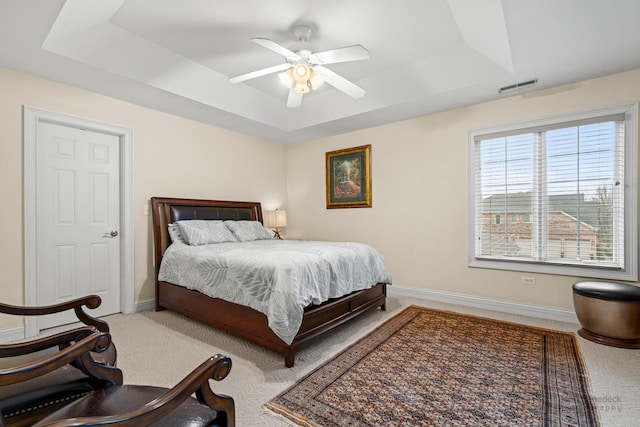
[[174, 233], [246, 231], [201, 232]]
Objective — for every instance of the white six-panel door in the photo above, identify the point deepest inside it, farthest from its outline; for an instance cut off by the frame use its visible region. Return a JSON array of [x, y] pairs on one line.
[[77, 218]]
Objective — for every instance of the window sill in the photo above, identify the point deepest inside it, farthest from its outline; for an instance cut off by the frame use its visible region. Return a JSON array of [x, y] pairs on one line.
[[557, 269]]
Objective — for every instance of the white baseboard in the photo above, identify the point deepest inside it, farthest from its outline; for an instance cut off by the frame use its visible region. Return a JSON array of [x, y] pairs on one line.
[[540, 311], [147, 305], [11, 334], [17, 333], [545, 312]]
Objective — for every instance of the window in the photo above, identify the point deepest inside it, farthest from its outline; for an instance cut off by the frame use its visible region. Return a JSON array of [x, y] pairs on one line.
[[572, 179]]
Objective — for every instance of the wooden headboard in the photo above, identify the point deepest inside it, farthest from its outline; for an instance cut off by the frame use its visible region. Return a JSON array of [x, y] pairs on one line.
[[166, 210]]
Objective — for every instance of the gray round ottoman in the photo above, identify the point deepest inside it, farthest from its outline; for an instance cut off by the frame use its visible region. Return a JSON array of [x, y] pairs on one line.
[[609, 312]]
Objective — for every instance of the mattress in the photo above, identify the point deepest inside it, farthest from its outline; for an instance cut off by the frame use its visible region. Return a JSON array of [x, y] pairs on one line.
[[278, 278]]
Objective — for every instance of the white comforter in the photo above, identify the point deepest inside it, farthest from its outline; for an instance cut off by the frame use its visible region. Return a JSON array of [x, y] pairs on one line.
[[275, 277]]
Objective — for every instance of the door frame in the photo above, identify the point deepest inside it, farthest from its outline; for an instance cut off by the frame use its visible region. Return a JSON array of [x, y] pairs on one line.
[[32, 117]]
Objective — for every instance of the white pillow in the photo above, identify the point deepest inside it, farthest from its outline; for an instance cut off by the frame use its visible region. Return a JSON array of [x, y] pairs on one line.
[[202, 232], [246, 231], [174, 233]]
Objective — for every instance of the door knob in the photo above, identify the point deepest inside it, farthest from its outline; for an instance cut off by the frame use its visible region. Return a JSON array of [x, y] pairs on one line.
[[114, 233]]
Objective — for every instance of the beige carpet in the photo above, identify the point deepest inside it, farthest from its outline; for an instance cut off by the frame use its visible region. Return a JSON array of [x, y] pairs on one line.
[[160, 348]]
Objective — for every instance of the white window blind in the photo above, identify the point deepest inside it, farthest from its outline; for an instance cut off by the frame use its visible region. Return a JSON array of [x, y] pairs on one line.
[[564, 185]]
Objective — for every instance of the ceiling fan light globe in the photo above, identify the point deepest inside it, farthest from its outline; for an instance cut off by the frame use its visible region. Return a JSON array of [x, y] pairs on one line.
[[286, 78], [301, 73], [316, 80]]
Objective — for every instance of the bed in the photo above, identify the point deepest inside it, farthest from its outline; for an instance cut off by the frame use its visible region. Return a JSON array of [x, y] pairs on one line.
[[237, 319]]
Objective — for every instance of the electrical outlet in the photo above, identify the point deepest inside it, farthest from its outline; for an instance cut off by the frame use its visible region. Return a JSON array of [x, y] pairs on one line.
[[527, 280], [145, 209]]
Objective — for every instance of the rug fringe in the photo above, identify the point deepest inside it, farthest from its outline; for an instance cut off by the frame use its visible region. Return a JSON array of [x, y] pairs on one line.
[[290, 419]]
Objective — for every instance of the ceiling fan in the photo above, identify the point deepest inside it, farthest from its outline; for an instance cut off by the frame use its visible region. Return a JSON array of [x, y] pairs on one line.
[[304, 70]]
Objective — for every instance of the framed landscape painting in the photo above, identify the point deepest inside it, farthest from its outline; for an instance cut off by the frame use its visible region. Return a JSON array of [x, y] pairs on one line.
[[349, 178]]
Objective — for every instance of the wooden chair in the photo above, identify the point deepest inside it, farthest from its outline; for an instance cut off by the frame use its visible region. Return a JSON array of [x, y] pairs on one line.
[[127, 405], [30, 391], [99, 398], [136, 405]]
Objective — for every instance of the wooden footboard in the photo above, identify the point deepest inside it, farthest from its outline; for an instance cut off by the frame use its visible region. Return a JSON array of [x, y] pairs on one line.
[[252, 325]]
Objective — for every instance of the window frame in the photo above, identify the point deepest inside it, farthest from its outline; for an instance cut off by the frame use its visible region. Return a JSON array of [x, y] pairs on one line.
[[630, 270]]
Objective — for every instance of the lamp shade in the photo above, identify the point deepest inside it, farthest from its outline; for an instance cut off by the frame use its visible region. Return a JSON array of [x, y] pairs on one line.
[[316, 80], [277, 219]]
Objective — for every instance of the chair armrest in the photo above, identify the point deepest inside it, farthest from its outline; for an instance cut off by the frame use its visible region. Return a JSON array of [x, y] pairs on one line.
[[91, 301], [61, 339], [216, 368], [79, 343]]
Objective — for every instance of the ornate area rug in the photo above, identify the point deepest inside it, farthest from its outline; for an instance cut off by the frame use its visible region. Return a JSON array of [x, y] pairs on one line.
[[427, 367]]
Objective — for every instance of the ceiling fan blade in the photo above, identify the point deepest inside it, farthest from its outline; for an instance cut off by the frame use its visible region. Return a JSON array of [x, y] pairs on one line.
[[340, 83], [344, 54], [259, 73], [294, 100], [271, 45]]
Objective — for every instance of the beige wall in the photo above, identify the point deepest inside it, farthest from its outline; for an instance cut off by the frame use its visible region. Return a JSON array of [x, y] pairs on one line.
[[419, 169], [173, 157], [419, 215]]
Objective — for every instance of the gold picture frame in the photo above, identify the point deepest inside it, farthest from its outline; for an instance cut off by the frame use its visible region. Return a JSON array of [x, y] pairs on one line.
[[348, 174]]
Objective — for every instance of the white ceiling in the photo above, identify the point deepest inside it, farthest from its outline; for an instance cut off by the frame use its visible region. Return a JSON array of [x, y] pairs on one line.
[[426, 55]]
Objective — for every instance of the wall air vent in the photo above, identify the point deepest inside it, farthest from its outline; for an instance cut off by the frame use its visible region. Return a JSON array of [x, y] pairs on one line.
[[518, 87]]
